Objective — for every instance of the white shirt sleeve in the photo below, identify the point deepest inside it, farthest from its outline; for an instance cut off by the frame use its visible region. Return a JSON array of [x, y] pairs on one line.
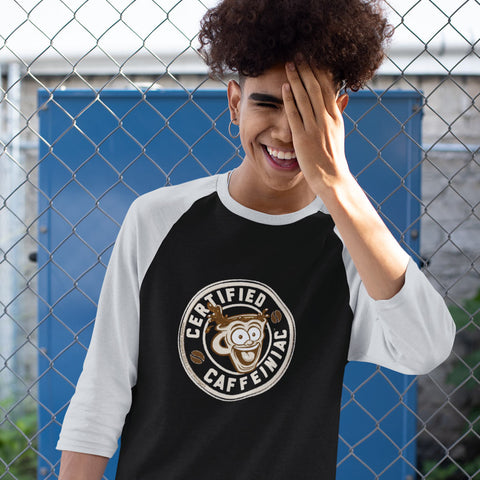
[[411, 333], [103, 396], [95, 417]]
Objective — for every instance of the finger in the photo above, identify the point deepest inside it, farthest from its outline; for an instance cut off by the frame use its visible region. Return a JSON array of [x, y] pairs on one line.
[[312, 86], [293, 115], [299, 93], [329, 92]]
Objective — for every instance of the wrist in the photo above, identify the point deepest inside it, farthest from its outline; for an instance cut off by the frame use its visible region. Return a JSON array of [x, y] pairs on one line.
[[333, 188]]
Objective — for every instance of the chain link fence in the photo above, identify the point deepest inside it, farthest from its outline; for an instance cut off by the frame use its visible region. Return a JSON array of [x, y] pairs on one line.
[[144, 45]]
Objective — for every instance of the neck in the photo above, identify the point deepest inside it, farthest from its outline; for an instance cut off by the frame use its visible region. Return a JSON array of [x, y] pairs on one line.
[[249, 190]]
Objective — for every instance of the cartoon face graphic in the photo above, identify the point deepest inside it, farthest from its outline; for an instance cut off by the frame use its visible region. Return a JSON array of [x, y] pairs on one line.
[[240, 337]]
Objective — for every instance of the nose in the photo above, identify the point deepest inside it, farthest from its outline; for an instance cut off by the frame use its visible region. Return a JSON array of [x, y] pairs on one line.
[[281, 130]]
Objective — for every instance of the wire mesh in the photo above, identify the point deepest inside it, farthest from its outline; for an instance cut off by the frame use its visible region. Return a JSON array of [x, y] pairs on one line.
[[122, 47]]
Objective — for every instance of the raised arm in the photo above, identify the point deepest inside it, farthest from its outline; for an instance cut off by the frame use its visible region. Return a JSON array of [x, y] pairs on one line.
[[314, 112], [400, 321]]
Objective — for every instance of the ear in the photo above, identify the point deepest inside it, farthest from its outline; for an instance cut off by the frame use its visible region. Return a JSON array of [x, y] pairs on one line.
[[342, 102], [234, 93]]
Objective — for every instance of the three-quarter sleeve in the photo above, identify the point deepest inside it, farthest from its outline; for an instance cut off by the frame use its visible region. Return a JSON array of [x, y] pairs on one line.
[[95, 417], [411, 333]]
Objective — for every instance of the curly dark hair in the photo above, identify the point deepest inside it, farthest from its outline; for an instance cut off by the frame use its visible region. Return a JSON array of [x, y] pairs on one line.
[[347, 37]]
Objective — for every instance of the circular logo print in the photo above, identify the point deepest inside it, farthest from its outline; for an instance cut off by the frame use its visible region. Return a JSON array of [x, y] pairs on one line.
[[236, 339]]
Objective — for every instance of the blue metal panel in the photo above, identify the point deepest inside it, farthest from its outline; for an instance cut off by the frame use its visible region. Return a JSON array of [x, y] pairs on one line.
[[99, 152], [383, 150]]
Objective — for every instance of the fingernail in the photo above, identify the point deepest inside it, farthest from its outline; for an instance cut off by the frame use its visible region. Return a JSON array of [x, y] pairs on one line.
[[291, 66]]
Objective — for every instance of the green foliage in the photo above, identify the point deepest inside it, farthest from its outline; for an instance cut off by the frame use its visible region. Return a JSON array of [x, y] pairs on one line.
[[464, 374], [16, 443], [447, 472], [468, 319], [470, 312], [467, 371], [441, 472]]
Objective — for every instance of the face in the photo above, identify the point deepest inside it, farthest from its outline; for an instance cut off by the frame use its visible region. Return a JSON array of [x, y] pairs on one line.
[[257, 108], [242, 341]]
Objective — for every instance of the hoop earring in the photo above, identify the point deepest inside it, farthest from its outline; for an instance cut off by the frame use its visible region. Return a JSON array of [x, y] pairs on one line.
[[230, 130]]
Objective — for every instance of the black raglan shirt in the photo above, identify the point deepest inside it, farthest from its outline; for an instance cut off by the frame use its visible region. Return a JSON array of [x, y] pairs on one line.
[[222, 335]]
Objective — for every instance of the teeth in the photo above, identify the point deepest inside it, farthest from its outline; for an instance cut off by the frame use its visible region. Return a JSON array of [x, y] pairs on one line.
[[281, 154]]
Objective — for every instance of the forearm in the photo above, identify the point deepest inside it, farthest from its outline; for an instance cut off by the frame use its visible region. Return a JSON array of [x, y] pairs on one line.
[[380, 260], [81, 466]]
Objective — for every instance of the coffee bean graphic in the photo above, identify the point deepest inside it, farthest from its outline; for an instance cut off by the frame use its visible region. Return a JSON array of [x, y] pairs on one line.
[[276, 316], [197, 357]]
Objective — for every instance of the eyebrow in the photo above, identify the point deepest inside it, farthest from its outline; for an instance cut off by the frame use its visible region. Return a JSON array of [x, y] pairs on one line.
[[264, 97]]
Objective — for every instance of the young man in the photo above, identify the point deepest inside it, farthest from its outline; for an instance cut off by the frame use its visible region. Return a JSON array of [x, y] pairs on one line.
[[232, 303]]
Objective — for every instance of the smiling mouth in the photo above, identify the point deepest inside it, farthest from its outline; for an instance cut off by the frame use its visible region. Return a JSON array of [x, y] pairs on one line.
[[280, 159], [246, 355]]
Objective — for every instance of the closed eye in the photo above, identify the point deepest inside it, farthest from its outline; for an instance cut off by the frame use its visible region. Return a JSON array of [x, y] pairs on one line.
[[267, 105]]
